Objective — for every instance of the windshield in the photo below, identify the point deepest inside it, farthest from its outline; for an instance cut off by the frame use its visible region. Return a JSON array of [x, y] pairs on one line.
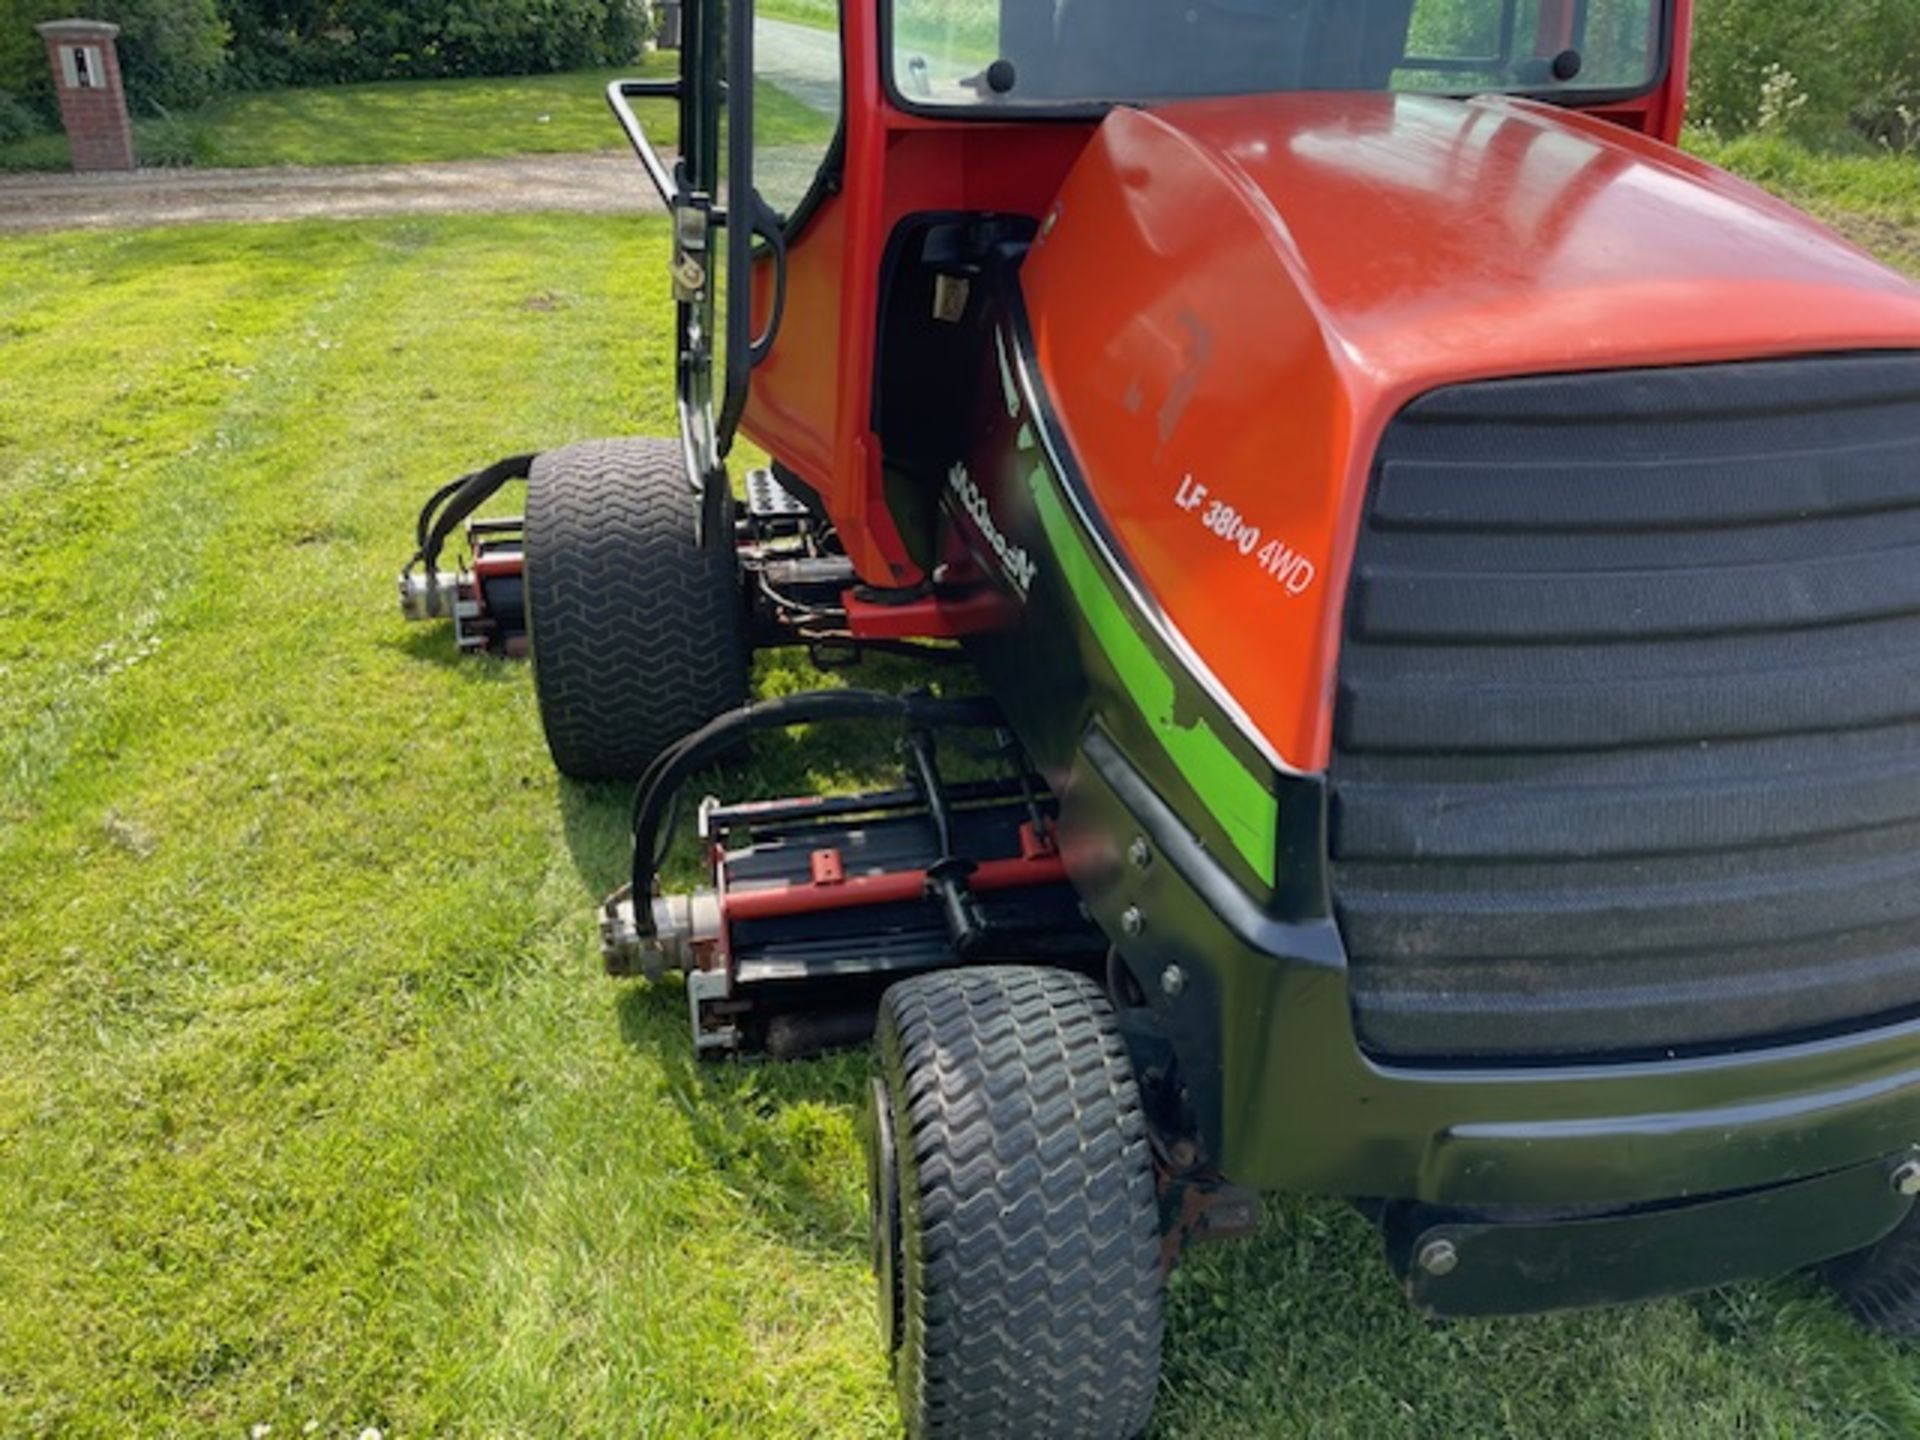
[[1078, 52]]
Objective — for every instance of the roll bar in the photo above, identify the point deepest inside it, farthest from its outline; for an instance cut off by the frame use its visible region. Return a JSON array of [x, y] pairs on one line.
[[690, 188]]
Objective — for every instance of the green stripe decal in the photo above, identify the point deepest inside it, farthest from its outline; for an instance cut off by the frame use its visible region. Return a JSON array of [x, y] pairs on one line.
[[1242, 805]]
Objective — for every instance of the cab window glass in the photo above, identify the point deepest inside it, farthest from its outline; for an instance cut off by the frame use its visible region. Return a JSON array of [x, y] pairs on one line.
[[797, 104], [981, 53]]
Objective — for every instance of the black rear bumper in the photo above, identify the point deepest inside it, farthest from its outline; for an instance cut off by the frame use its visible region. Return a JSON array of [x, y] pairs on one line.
[[1285, 1097], [1487, 1264]]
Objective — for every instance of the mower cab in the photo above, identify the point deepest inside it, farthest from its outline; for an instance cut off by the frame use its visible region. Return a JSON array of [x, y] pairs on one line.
[[1441, 563]]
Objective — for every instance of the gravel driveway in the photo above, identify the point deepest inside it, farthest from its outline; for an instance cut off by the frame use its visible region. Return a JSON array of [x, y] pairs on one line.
[[589, 184], [801, 61]]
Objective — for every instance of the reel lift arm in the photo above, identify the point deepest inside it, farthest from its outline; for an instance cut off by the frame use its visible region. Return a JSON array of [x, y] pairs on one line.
[[818, 904]]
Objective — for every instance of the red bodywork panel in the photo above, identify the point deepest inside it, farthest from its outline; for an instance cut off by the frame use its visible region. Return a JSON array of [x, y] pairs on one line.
[[929, 617], [812, 398], [897, 887], [831, 888], [1239, 295]]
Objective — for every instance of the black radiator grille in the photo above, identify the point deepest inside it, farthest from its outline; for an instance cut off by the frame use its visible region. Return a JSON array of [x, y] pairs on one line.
[[1627, 749]]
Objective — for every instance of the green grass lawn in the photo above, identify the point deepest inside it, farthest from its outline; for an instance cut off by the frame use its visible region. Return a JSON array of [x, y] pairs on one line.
[[820, 14], [1872, 195], [398, 122], [313, 1105]]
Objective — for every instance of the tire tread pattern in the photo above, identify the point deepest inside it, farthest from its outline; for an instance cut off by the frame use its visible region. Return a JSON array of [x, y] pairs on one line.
[[1881, 1284], [1029, 1223], [638, 632]]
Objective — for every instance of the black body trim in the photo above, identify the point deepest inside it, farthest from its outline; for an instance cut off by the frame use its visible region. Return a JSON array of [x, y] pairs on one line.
[[1627, 747]]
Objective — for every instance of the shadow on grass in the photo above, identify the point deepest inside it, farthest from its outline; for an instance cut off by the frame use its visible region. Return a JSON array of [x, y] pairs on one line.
[[595, 820], [773, 764], [431, 642], [779, 1135], [1304, 1325]]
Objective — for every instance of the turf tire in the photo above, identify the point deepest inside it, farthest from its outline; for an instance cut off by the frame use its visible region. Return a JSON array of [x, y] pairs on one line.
[[1881, 1284], [638, 632], [1015, 1231]]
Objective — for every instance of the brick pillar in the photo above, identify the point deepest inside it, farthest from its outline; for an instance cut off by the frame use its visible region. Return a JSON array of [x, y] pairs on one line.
[[93, 103]]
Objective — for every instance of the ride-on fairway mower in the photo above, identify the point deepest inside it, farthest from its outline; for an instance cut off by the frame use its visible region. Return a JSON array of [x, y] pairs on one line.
[[1446, 571]]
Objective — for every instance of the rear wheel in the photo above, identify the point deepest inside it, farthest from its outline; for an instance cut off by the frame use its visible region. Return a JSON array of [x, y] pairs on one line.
[[1881, 1284], [1015, 1227], [638, 631]]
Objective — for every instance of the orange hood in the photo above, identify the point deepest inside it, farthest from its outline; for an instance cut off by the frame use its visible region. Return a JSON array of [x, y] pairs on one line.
[[1237, 296]]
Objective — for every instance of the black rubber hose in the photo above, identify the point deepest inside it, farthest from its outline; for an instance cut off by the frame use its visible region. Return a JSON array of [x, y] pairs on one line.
[[929, 770], [460, 499], [670, 769], [427, 512], [947, 876]]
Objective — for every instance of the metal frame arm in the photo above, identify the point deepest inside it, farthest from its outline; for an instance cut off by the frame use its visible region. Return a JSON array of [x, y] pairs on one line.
[[690, 191], [619, 93], [742, 201]]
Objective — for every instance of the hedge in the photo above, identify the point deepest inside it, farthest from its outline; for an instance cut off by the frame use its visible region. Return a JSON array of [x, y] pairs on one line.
[[305, 42], [180, 53]]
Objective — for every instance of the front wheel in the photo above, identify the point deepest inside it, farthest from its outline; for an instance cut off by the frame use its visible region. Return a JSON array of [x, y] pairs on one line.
[[638, 628], [1014, 1223]]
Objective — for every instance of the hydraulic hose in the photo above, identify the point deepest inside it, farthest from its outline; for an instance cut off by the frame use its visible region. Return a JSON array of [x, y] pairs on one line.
[[653, 798], [453, 502]]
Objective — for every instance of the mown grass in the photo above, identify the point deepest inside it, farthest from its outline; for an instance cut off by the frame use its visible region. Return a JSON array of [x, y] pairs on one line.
[[1873, 195], [313, 1107], [310, 1105], [400, 122], [820, 14]]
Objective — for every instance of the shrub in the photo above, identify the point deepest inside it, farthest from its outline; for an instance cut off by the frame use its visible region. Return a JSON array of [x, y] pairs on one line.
[[1844, 69], [298, 42], [169, 140], [173, 52], [1750, 55], [1883, 59], [18, 120]]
